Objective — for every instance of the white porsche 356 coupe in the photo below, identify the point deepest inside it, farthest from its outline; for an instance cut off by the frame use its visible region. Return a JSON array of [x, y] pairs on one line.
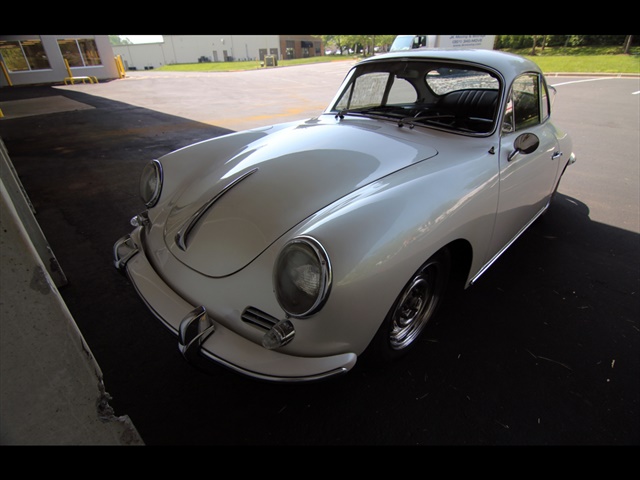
[[287, 252]]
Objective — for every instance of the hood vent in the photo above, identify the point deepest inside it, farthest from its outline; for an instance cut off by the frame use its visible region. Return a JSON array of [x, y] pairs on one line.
[[183, 233]]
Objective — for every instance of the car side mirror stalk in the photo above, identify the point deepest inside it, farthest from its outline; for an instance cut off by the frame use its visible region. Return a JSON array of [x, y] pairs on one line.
[[525, 143]]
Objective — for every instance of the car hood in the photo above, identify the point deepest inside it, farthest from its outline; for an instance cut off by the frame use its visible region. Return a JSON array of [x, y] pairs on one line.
[[233, 209]]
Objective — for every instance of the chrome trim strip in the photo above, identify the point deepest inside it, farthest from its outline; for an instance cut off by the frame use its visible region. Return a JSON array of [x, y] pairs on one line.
[[258, 318], [503, 249], [326, 275], [261, 376], [155, 196], [183, 233]]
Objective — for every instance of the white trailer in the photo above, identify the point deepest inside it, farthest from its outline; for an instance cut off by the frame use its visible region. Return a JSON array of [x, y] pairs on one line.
[[407, 42]]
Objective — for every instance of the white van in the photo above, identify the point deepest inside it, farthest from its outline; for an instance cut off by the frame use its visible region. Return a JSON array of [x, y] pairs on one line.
[[407, 42]]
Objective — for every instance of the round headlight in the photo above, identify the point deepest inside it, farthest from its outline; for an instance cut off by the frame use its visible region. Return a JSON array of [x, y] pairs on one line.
[[302, 277], [151, 183]]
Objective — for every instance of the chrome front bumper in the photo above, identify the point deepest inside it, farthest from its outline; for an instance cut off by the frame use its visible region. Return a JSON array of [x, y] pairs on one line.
[[202, 340]]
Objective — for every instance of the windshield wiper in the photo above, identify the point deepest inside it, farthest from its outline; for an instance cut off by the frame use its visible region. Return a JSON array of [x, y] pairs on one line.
[[379, 110]]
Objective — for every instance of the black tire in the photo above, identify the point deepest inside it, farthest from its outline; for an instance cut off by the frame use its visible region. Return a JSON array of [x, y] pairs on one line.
[[413, 309]]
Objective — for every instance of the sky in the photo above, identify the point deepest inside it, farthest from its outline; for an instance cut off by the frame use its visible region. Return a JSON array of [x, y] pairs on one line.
[[143, 38]]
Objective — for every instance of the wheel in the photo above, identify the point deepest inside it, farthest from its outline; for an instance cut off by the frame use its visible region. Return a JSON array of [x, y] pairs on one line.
[[415, 306]]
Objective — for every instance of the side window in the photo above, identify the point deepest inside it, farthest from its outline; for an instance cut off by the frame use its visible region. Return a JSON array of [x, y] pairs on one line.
[[402, 92], [523, 106], [367, 90], [375, 89]]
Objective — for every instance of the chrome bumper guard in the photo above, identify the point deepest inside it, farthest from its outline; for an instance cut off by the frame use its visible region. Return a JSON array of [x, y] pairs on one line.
[[123, 250], [194, 330]]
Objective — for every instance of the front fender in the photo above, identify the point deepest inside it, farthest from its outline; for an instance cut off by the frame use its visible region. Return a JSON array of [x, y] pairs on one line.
[[378, 236]]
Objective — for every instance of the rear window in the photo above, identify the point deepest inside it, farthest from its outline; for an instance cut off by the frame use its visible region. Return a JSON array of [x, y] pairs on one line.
[[445, 80]]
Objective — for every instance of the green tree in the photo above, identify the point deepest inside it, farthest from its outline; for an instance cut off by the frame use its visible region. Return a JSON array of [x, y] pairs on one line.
[[534, 41], [360, 44], [334, 41]]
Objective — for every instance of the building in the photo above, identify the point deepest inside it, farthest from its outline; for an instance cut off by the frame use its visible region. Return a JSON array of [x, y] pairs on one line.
[[46, 59], [300, 46], [176, 49]]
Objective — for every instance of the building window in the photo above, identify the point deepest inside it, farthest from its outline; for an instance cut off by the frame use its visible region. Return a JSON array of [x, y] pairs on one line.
[[290, 52], [81, 52], [24, 55], [306, 48]]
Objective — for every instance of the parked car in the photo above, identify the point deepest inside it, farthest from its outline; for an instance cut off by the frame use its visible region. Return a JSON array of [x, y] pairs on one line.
[[288, 252]]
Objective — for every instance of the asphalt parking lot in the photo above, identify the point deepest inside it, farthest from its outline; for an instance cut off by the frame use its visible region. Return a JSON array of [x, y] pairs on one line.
[[543, 350]]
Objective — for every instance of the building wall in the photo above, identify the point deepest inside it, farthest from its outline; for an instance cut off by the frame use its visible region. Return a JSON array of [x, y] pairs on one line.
[[58, 71], [177, 49], [190, 48], [300, 46], [141, 57]]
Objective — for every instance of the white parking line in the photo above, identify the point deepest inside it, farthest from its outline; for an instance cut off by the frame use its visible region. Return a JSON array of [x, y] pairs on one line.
[[591, 80], [581, 81]]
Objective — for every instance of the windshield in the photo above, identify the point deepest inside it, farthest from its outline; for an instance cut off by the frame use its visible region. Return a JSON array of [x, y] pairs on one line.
[[426, 93]]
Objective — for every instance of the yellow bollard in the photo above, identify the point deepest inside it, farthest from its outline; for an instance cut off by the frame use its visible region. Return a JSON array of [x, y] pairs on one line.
[[6, 74], [120, 66], [66, 63]]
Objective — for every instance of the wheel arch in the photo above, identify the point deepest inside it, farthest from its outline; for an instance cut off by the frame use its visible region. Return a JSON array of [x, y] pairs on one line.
[[461, 253]]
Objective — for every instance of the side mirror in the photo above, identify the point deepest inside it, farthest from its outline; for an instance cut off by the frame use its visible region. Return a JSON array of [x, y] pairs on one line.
[[525, 143]]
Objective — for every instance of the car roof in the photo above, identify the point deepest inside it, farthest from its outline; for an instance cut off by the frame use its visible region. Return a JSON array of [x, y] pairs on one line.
[[509, 64]]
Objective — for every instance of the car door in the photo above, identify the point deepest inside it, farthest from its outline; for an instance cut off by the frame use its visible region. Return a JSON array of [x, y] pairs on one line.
[[528, 159]]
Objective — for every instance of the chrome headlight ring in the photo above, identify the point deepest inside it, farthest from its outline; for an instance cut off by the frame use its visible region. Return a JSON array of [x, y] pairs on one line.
[[302, 277], [151, 181]]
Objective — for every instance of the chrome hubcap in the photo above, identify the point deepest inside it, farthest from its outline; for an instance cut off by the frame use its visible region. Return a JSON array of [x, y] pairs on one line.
[[415, 307], [412, 303]]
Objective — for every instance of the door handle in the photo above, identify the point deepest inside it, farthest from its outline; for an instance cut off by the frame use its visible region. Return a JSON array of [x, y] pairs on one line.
[[556, 155]]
